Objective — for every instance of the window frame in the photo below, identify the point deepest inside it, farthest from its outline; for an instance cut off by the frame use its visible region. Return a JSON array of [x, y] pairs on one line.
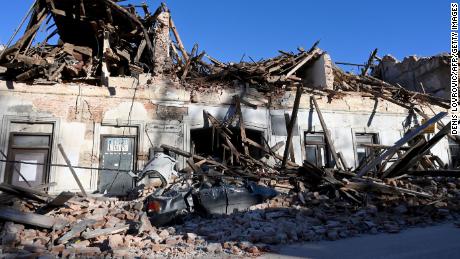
[[12, 149], [328, 161], [375, 140]]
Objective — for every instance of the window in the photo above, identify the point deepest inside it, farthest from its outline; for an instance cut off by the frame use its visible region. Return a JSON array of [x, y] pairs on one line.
[[316, 150], [33, 149], [454, 149], [363, 148], [117, 153]]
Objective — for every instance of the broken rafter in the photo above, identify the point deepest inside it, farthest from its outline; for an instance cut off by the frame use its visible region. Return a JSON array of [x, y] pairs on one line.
[[287, 119], [309, 56], [415, 154], [369, 62], [178, 39], [391, 151], [136, 21], [72, 170], [10, 214], [241, 124], [29, 34], [295, 109], [189, 62], [327, 134]]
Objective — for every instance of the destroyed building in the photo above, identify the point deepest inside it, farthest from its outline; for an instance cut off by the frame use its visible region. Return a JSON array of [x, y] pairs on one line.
[[419, 74], [109, 93], [87, 113]]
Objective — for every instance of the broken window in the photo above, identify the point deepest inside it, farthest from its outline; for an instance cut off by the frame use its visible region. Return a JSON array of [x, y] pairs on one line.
[[316, 150], [34, 151], [117, 153], [205, 142], [363, 143], [454, 149]]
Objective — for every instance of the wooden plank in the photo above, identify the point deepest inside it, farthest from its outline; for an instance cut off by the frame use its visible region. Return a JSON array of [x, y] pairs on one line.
[[10, 214], [176, 54], [178, 39], [26, 190], [275, 155], [314, 52], [241, 124], [140, 50], [105, 73], [408, 137], [21, 192], [435, 173], [440, 124], [177, 150], [30, 31], [295, 109], [215, 122], [277, 146], [76, 230], [369, 62], [189, 62], [29, 74], [61, 199], [44, 186], [411, 157], [192, 165], [343, 161], [367, 185], [187, 154], [291, 147], [327, 134], [225, 135], [74, 174], [104, 232]]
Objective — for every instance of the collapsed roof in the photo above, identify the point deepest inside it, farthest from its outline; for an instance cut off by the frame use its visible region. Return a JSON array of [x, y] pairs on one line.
[[90, 32], [115, 40]]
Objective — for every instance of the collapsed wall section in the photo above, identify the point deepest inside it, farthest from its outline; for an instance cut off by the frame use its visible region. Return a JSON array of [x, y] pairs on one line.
[[429, 75]]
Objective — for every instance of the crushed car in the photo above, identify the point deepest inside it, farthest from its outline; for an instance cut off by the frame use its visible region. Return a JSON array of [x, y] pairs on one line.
[[221, 198], [197, 195]]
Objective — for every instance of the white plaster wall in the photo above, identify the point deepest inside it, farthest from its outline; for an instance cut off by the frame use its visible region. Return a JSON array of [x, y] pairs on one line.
[[122, 112], [343, 125], [320, 74], [72, 138]]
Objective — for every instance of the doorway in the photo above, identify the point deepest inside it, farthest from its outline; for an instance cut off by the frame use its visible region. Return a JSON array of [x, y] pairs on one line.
[[117, 153]]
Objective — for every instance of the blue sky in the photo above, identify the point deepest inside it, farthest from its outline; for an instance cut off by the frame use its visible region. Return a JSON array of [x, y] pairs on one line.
[[348, 30]]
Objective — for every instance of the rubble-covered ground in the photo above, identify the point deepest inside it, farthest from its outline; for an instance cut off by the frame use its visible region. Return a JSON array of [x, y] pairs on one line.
[[295, 217]]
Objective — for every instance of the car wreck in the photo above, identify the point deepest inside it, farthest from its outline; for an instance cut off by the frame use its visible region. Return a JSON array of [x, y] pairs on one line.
[[180, 194]]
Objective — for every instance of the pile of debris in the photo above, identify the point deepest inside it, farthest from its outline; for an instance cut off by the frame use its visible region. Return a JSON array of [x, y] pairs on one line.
[[101, 226], [111, 40]]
